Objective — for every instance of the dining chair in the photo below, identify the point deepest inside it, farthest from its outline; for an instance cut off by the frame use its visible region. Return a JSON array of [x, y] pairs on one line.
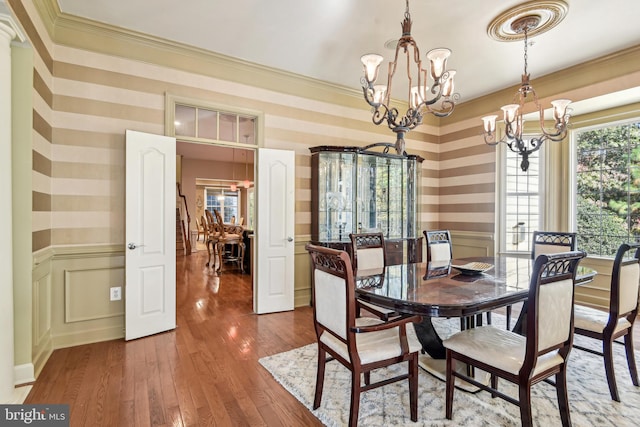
[[201, 230], [367, 254], [229, 235], [359, 344], [618, 321], [440, 249], [524, 360], [211, 235], [548, 242]]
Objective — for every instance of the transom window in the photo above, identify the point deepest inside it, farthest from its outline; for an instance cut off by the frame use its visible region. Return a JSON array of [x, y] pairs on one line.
[[607, 202], [205, 123]]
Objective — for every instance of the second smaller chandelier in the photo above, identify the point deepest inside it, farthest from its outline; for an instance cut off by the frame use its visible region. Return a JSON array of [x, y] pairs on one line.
[[514, 123], [437, 99]]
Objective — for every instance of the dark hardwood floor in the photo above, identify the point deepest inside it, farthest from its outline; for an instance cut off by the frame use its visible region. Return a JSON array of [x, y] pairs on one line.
[[205, 372]]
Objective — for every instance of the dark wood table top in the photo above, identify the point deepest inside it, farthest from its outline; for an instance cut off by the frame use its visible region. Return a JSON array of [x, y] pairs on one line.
[[442, 291]]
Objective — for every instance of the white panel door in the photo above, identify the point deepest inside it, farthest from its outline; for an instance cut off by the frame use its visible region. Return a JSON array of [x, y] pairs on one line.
[[275, 231], [150, 288]]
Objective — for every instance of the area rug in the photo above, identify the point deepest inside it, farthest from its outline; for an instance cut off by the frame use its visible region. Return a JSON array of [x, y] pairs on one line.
[[589, 398]]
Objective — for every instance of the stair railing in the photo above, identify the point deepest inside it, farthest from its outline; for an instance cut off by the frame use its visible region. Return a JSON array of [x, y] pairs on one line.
[[186, 229]]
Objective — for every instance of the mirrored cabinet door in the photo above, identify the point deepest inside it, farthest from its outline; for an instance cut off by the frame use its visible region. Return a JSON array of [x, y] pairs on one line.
[[355, 190]]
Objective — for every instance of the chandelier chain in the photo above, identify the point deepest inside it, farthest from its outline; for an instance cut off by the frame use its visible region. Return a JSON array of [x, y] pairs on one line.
[[526, 55], [436, 97], [513, 113]]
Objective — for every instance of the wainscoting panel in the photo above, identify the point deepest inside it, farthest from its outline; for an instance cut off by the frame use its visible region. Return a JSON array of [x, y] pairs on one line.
[[302, 273], [469, 244], [87, 294], [81, 310], [42, 344]]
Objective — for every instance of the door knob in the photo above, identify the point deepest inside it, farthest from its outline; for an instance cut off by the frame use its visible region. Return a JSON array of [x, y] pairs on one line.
[[289, 239], [132, 246]]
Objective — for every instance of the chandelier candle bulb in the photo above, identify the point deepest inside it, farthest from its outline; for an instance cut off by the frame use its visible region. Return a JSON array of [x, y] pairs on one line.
[[371, 62], [447, 90], [440, 89], [379, 92], [560, 109], [490, 123], [513, 120], [438, 59]]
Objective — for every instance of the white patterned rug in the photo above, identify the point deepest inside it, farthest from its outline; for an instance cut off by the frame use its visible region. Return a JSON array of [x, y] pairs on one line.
[[589, 398]]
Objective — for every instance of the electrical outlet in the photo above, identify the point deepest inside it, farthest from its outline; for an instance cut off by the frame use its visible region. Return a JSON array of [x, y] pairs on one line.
[[116, 293]]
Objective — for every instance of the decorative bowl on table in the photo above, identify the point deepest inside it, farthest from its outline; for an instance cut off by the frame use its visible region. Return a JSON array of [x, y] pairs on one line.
[[473, 268]]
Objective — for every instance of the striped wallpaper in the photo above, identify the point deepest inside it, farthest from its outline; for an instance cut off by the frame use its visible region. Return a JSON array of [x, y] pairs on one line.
[[85, 97]]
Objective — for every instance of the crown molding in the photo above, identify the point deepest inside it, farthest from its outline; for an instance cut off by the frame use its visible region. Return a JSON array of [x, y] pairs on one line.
[[621, 69], [11, 27], [81, 33]]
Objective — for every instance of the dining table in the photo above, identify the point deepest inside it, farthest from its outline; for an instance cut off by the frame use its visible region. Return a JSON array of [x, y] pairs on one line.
[[448, 289]]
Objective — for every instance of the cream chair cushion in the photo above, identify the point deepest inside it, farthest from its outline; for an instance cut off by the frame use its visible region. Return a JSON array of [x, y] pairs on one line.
[[330, 302], [629, 282], [369, 258], [542, 248], [498, 347], [594, 320], [554, 313], [440, 252], [374, 346]]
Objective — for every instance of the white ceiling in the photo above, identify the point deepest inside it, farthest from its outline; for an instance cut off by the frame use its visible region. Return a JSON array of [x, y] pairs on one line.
[[325, 39]]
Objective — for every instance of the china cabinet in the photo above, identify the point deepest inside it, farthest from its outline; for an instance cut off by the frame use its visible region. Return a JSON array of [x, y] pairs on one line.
[[361, 189]]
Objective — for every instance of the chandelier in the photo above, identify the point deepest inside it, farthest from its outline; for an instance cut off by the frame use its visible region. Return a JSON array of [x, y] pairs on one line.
[[513, 120], [437, 99]]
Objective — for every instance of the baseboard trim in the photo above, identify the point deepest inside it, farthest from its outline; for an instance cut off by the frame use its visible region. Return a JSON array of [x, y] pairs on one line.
[[88, 337], [23, 374]]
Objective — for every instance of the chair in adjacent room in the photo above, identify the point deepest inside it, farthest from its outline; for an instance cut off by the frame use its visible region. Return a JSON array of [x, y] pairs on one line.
[[618, 321], [228, 234], [524, 360], [201, 230], [360, 344], [367, 257], [211, 236], [440, 249]]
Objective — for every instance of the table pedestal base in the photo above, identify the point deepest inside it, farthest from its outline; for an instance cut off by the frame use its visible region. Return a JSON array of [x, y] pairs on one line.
[[438, 368]]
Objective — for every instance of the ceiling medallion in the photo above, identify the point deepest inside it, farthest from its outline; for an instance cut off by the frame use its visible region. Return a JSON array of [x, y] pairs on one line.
[[550, 13]]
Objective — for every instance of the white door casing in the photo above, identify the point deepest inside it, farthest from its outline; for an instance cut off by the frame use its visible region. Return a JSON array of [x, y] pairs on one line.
[[275, 214], [150, 287]]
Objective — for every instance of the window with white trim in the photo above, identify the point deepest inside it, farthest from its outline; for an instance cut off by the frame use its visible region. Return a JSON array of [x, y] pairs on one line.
[[226, 202], [520, 201]]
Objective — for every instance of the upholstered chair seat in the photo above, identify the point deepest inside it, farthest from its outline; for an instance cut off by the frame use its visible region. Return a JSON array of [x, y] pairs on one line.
[[523, 360], [502, 349], [374, 346], [360, 344], [592, 319], [609, 326]]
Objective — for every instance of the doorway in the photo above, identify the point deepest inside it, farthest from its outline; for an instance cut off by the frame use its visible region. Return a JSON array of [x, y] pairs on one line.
[[221, 177]]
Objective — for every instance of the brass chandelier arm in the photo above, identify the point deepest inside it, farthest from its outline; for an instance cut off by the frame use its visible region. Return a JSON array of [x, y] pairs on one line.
[[513, 113], [438, 99]]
